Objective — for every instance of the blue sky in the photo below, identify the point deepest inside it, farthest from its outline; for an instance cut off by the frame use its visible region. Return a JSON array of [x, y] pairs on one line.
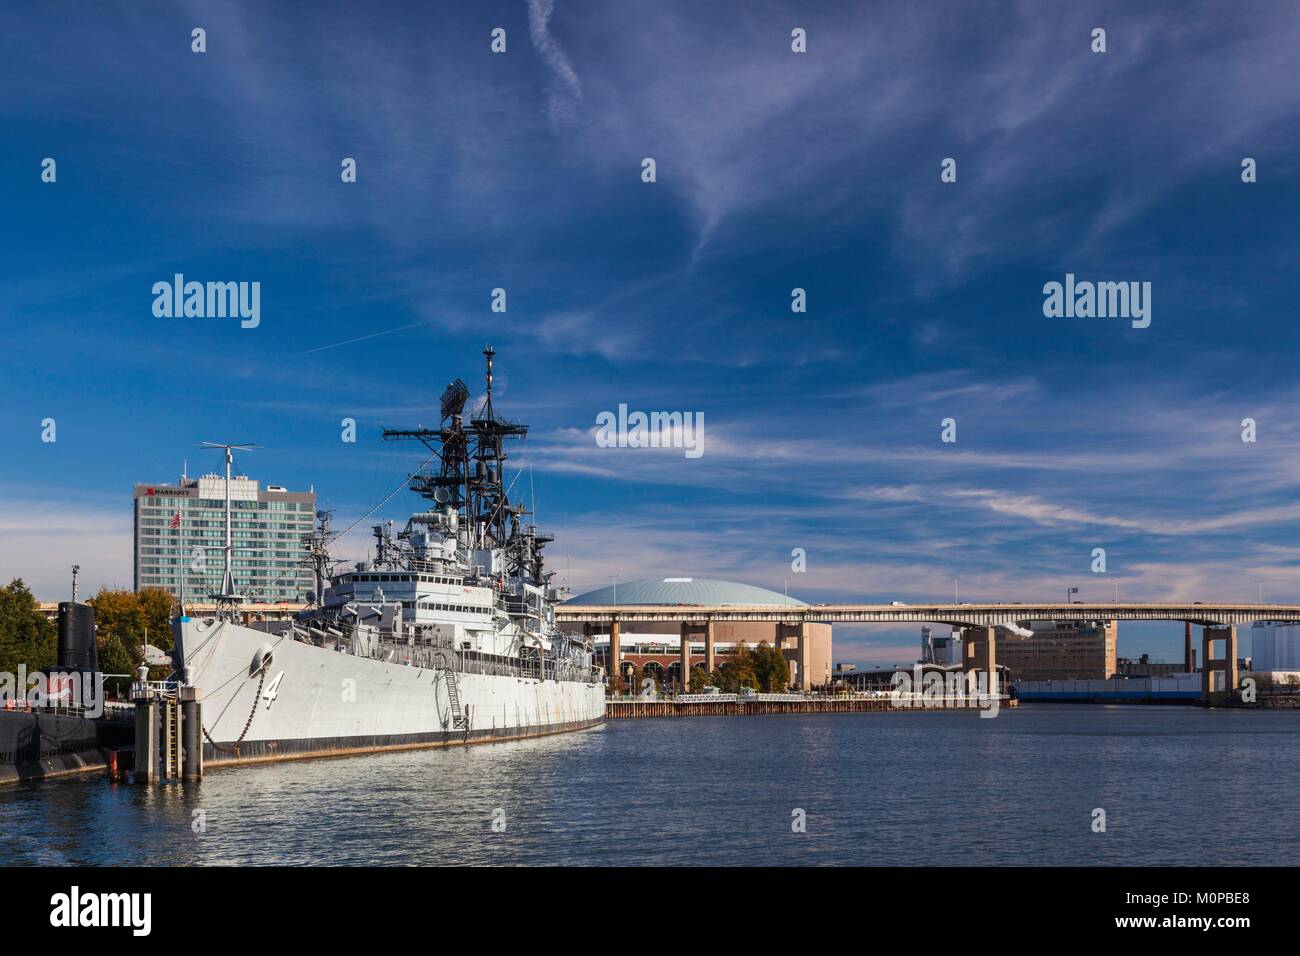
[[775, 170]]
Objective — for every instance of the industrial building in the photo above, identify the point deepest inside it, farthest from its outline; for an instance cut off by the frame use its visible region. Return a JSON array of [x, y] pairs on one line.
[[655, 650], [269, 527], [1145, 667], [1051, 650], [1275, 647], [941, 649]]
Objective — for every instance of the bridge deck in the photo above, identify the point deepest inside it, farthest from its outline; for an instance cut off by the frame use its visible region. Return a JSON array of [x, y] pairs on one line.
[[962, 615]]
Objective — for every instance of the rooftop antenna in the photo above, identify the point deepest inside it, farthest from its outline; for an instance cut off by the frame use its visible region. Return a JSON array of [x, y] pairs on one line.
[[227, 595]]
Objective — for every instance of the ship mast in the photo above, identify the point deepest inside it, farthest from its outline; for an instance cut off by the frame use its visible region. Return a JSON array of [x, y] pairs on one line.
[[227, 596], [318, 555], [472, 476], [491, 507]]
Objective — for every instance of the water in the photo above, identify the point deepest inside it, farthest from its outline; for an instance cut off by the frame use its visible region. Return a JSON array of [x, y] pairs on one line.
[[1180, 785]]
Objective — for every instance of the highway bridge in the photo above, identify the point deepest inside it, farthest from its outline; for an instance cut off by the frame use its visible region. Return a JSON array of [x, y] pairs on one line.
[[1219, 622], [958, 615]]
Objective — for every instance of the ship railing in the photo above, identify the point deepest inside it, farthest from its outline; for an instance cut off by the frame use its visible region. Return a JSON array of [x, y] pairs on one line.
[[56, 707], [118, 710], [440, 655], [154, 689]]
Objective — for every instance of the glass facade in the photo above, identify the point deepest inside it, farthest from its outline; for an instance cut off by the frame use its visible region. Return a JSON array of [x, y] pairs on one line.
[[270, 527]]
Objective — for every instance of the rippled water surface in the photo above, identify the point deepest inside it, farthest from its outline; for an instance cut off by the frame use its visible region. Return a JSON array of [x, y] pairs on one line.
[[1178, 784]]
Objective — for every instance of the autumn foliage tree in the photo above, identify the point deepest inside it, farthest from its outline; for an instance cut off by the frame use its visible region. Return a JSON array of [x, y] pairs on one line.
[[26, 637], [127, 620], [763, 668]]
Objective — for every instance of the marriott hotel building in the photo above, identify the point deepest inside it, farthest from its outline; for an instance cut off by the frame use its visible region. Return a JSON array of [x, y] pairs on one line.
[[270, 526]]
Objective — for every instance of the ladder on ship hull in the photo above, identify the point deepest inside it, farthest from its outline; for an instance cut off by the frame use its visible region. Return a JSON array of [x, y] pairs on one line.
[[458, 719]]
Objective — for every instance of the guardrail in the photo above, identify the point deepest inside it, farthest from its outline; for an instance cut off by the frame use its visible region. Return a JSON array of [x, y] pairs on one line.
[[961, 615], [154, 689]]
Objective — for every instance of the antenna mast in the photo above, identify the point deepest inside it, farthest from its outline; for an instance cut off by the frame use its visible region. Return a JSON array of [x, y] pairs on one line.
[[227, 595]]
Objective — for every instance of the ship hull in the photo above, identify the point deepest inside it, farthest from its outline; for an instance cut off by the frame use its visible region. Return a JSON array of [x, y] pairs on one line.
[[310, 701]]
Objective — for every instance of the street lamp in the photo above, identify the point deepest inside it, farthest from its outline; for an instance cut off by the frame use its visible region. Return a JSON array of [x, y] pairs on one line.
[[1068, 592]]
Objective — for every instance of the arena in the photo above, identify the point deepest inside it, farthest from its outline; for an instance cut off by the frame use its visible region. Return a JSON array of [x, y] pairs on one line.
[[655, 650]]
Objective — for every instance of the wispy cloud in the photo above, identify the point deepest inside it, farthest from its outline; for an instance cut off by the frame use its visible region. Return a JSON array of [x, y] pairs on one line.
[[566, 92]]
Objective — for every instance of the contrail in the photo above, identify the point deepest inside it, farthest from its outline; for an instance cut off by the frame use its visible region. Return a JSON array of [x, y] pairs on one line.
[[362, 338], [563, 107]]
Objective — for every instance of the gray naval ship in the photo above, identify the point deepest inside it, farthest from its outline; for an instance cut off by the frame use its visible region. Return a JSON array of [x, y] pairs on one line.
[[447, 637]]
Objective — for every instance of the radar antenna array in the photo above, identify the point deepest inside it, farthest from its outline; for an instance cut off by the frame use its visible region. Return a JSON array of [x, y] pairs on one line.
[[471, 478]]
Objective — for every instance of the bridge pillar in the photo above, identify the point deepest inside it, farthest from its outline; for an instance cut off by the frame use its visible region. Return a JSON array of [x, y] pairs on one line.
[[779, 640], [1189, 655], [710, 652], [804, 658], [979, 652], [684, 657], [1210, 665], [615, 654]]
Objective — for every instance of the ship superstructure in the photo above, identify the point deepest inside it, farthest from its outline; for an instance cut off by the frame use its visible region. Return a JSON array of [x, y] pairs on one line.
[[446, 634]]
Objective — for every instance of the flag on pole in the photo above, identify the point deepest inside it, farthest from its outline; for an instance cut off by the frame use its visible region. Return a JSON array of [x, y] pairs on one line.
[[176, 521]]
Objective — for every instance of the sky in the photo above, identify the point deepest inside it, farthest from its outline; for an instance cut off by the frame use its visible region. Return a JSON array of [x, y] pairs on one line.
[[774, 170]]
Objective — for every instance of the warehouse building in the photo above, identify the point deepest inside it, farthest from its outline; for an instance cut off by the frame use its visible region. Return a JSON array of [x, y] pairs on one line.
[[1051, 650]]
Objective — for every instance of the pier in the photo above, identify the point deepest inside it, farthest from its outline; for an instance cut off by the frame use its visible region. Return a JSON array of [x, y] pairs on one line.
[[168, 728], [759, 705]]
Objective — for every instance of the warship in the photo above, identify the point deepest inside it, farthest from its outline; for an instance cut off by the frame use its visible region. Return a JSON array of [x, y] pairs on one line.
[[446, 636]]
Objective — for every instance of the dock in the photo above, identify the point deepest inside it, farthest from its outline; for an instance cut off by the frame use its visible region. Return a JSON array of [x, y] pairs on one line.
[[758, 705]]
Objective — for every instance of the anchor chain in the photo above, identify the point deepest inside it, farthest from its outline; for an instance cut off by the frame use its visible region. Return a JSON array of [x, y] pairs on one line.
[[248, 723]]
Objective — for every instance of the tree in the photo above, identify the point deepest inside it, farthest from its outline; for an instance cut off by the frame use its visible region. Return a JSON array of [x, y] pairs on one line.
[[116, 658], [737, 671], [120, 623], [617, 683], [26, 637], [700, 679], [156, 606], [770, 668]]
